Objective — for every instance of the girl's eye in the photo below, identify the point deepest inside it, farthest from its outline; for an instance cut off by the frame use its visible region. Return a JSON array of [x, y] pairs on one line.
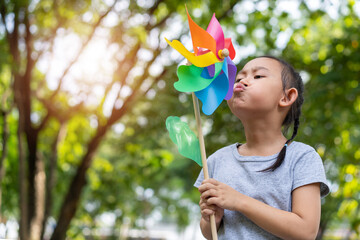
[[258, 76]]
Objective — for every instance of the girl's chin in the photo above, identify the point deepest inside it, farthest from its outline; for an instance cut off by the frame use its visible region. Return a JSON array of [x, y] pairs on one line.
[[236, 101]]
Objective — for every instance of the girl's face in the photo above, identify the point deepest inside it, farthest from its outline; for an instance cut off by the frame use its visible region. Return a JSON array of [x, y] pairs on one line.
[[258, 88]]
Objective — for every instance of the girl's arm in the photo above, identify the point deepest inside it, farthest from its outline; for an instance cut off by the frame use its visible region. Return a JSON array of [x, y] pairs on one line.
[[302, 223]]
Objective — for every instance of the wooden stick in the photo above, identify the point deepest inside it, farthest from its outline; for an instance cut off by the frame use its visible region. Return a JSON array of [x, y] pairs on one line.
[[203, 157]]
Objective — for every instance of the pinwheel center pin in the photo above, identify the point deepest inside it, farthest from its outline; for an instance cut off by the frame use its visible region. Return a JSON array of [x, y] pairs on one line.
[[223, 53]]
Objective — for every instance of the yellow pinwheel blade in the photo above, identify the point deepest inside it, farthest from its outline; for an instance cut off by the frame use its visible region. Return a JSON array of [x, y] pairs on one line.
[[199, 61]]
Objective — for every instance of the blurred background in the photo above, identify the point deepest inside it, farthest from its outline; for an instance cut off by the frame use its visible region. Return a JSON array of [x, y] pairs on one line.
[[86, 86]]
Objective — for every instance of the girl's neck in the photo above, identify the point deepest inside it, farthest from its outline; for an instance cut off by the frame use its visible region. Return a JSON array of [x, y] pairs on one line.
[[262, 139]]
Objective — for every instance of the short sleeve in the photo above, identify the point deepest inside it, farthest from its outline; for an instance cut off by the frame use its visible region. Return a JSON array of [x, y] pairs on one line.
[[310, 169]]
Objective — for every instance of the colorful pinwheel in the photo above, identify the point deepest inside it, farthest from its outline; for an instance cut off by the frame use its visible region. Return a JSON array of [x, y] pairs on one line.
[[211, 75]]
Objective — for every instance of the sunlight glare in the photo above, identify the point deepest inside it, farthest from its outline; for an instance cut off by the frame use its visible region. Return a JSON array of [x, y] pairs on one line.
[[88, 76]]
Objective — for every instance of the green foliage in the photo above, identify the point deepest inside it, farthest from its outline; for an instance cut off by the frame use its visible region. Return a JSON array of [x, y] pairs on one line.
[[11, 181]]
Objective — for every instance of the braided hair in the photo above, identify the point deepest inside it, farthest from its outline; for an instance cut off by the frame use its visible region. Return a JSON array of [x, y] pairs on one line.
[[290, 79]]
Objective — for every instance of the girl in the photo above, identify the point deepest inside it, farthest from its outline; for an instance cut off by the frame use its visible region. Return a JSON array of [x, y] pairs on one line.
[[269, 187]]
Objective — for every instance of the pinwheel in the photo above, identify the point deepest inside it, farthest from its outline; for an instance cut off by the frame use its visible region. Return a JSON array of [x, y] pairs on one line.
[[210, 76], [212, 73]]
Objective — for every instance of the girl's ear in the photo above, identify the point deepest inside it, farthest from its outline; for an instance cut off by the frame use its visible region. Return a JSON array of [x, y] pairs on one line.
[[289, 97]]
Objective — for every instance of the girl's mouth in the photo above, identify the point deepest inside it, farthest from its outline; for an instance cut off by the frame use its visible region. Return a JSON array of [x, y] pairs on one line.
[[239, 87]]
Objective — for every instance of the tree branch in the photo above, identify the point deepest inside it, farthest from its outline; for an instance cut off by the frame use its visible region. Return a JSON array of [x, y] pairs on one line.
[[117, 113], [154, 7], [29, 48], [12, 37], [43, 122], [95, 26], [158, 24], [3, 13], [123, 69], [61, 116], [228, 10], [50, 38]]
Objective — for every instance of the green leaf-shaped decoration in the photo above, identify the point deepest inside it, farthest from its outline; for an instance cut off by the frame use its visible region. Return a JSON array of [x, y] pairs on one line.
[[185, 139]]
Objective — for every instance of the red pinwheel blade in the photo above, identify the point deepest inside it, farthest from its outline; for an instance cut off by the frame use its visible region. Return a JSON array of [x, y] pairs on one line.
[[230, 47]]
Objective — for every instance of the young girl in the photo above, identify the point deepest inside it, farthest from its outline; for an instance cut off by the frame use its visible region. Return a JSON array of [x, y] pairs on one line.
[[269, 187]]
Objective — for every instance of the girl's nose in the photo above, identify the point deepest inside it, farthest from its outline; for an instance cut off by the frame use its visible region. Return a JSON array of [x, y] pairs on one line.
[[244, 82]]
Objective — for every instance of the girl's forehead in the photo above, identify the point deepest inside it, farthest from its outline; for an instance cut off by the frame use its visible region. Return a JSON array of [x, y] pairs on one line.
[[263, 62]]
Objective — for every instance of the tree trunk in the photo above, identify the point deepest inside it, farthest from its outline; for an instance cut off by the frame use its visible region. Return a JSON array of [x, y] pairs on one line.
[[5, 135], [71, 202], [23, 185], [50, 183], [39, 200]]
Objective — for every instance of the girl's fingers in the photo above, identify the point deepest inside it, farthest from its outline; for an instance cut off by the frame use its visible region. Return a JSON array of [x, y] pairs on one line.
[[210, 180], [207, 212], [209, 193], [206, 206], [205, 186], [212, 201]]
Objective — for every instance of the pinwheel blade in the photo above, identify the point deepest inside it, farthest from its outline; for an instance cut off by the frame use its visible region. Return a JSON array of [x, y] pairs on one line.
[[215, 30], [229, 46], [212, 96], [185, 139], [191, 78], [200, 37], [231, 73], [204, 60], [208, 72]]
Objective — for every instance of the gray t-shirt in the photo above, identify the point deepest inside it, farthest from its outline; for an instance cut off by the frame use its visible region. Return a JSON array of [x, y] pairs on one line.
[[302, 165]]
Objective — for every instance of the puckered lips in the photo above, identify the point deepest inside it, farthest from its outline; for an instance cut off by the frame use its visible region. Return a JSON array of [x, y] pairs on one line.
[[239, 87]]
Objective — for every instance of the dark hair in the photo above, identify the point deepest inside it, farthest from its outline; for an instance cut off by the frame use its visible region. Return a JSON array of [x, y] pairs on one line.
[[290, 79]]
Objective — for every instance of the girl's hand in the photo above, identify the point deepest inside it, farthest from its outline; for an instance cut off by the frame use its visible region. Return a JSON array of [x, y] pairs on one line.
[[208, 210], [219, 194]]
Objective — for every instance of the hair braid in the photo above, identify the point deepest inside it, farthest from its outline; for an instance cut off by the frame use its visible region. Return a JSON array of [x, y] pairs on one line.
[[290, 78], [282, 153], [296, 127]]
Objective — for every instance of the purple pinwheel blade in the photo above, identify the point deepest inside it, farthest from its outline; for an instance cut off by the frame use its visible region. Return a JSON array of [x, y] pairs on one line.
[[231, 73], [208, 72]]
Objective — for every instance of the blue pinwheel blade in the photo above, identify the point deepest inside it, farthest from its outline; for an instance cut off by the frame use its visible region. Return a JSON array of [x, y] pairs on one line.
[[212, 96]]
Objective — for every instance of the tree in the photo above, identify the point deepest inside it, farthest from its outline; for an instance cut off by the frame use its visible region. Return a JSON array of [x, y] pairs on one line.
[[30, 32]]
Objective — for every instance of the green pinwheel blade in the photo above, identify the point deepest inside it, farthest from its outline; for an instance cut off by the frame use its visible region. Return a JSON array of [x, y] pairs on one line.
[[185, 139], [190, 79]]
